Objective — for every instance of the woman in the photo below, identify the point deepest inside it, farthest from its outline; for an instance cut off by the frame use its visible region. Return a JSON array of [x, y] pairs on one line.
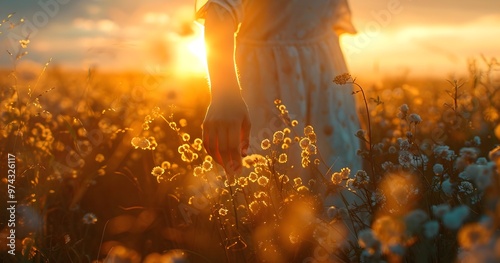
[[262, 50]]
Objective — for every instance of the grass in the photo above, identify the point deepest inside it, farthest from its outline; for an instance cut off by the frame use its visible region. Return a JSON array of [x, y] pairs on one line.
[[110, 168]]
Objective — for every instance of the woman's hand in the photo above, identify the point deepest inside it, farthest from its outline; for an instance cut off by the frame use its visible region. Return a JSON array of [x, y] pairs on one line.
[[226, 131], [226, 127]]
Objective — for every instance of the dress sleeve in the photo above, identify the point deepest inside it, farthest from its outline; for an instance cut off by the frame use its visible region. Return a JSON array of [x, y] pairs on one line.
[[342, 18], [233, 7]]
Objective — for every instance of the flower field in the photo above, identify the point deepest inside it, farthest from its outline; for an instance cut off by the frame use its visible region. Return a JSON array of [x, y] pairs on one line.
[[109, 167]]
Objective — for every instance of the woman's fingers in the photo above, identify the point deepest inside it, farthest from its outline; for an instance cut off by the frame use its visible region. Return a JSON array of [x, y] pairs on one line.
[[226, 131], [222, 142], [229, 148], [222, 145]]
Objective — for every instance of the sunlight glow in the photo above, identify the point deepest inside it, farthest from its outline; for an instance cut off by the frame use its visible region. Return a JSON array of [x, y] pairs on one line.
[[192, 54], [197, 47], [421, 50]]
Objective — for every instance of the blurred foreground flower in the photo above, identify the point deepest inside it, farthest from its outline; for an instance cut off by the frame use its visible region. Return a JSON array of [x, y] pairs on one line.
[[89, 219], [473, 235], [174, 256]]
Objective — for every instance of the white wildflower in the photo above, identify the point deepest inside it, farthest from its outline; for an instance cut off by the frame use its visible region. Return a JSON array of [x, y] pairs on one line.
[[471, 172], [140, 142], [481, 161], [454, 219], [404, 108], [392, 149], [431, 229], [436, 184], [157, 171], [447, 187], [361, 179], [403, 111], [466, 187], [349, 184], [477, 140], [414, 220], [444, 152], [89, 219], [367, 239], [404, 144], [414, 118], [484, 179], [438, 169], [440, 210], [336, 178], [332, 212], [397, 249], [419, 161], [468, 155], [378, 198], [405, 158], [469, 152], [387, 166]]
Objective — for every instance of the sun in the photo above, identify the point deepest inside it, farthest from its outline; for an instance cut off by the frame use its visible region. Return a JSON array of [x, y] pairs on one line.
[[193, 58], [197, 48]]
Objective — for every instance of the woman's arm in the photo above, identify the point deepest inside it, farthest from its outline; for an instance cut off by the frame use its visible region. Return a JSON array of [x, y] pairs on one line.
[[226, 127]]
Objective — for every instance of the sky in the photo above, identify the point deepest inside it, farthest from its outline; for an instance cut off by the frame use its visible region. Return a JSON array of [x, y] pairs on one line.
[[417, 37]]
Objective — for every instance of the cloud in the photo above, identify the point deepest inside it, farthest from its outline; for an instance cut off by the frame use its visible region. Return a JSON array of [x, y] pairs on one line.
[[426, 35], [425, 49], [155, 18]]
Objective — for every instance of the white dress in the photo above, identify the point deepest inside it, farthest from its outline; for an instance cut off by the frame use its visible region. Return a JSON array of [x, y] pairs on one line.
[[289, 50]]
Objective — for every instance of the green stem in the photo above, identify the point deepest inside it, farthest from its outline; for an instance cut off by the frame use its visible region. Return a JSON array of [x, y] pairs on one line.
[[370, 139]]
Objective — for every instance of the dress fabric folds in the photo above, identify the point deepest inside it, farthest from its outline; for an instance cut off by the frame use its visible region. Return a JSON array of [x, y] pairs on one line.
[[289, 50]]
